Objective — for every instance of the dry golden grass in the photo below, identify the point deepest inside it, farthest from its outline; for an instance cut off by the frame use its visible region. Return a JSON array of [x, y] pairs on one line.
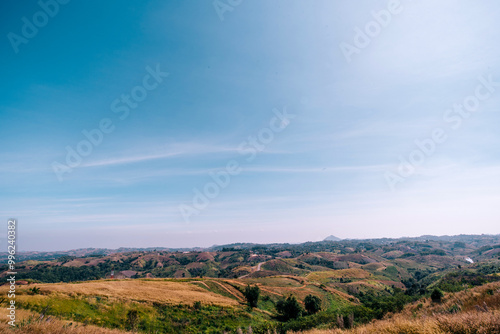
[[379, 266], [48, 325], [276, 281], [461, 323], [341, 294], [284, 285], [467, 300], [478, 313], [162, 291], [393, 254], [322, 276], [231, 290], [74, 263]]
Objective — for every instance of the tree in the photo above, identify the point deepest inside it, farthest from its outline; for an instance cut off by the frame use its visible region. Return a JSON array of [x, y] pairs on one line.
[[436, 296], [289, 308], [312, 304], [197, 305], [195, 272], [252, 295]]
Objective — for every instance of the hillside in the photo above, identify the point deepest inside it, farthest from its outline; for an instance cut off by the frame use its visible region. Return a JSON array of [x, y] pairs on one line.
[[160, 304], [332, 238], [388, 259], [471, 311], [203, 290]]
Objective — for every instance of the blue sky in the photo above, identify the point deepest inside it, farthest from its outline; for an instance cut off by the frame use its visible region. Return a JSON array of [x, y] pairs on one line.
[[324, 171]]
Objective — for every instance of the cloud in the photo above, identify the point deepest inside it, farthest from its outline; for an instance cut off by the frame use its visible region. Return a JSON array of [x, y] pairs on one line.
[[322, 169], [130, 159]]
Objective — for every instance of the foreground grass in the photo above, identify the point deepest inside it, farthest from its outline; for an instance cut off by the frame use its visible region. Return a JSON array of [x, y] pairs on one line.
[[141, 316], [468, 312], [33, 323], [154, 290], [149, 306], [464, 323]]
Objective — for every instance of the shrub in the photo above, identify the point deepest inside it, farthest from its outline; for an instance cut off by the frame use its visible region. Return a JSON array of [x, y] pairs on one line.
[[197, 305], [34, 290], [266, 298], [289, 308], [312, 304], [436, 296], [252, 295]]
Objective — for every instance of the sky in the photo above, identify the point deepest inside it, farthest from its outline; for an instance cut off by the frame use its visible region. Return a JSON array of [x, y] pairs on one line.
[[194, 123]]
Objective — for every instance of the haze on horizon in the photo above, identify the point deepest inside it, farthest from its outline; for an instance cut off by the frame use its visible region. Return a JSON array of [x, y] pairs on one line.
[[233, 77]]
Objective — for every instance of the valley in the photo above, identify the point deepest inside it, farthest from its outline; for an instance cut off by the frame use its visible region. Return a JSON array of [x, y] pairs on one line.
[[206, 290]]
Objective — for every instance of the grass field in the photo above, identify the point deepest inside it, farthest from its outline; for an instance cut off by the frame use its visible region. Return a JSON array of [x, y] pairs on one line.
[[326, 276], [202, 305], [146, 305], [154, 290], [29, 322]]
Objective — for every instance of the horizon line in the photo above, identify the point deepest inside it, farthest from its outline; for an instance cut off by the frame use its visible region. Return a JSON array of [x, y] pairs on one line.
[[252, 243]]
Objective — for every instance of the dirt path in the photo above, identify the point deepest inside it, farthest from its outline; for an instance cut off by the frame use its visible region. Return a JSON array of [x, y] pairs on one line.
[[255, 268], [233, 293], [269, 291]]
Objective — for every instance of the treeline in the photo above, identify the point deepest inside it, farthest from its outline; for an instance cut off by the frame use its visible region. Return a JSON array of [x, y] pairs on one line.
[[54, 274], [65, 274]]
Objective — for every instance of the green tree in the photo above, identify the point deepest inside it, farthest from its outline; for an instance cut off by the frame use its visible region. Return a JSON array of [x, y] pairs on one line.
[[252, 295], [436, 296], [289, 308], [312, 304]]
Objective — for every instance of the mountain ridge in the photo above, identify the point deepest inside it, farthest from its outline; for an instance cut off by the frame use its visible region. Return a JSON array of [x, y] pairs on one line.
[[90, 251]]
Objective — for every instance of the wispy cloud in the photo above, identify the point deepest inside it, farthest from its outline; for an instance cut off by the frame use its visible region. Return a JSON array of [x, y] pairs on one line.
[[323, 169], [130, 159], [325, 172], [170, 151]]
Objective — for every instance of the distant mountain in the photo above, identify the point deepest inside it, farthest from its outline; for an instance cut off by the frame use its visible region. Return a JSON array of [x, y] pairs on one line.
[[474, 241], [332, 238]]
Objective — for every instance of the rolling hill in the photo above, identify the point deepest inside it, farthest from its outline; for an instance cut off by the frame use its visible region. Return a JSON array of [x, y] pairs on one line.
[[204, 290]]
